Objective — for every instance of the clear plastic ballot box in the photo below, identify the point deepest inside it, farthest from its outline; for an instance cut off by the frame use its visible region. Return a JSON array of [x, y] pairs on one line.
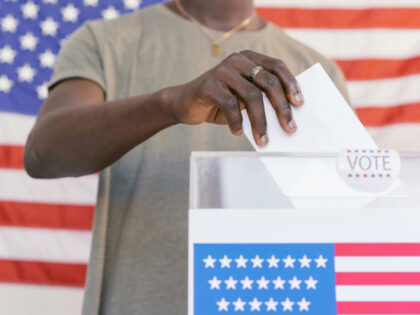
[[304, 233]]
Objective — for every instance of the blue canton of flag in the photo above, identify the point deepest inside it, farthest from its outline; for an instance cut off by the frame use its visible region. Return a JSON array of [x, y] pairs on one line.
[[264, 278], [30, 35]]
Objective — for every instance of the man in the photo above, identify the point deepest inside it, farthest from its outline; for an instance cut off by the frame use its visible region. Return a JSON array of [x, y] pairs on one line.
[[132, 97]]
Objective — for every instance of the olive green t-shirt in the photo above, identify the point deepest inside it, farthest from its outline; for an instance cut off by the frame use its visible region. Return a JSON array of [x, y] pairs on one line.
[[138, 262]]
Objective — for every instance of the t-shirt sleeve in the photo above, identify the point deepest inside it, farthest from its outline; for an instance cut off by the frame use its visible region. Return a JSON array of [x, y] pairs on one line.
[[79, 57]]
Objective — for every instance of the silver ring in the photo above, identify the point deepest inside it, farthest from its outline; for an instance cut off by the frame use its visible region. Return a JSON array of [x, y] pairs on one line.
[[254, 73]]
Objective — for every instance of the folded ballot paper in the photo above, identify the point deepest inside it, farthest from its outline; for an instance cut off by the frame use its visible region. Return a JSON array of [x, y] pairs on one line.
[[326, 123]]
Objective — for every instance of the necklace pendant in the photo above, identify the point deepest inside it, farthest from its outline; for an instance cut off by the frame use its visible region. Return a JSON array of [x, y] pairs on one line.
[[215, 49]]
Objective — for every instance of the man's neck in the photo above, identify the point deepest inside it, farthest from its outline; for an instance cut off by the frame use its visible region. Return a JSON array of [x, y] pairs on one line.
[[221, 15]]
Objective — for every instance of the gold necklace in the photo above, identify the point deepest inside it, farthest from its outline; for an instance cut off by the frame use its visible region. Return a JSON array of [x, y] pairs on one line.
[[216, 51]]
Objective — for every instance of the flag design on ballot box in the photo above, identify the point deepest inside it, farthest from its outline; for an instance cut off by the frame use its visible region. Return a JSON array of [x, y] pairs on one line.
[[307, 278]]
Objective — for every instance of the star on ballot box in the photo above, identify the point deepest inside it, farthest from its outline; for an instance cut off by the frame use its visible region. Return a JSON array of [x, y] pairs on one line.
[[304, 233]]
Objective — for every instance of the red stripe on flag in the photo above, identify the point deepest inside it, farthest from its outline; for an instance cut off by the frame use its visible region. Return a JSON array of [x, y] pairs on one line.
[[385, 249], [377, 278], [381, 116], [12, 271], [378, 308], [342, 18], [54, 216], [373, 69], [11, 156]]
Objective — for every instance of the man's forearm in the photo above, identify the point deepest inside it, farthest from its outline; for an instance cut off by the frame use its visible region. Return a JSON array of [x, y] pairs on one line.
[[84, 139]]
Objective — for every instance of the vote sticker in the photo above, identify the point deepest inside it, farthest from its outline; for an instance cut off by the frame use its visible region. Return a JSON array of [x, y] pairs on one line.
[[369, 169]]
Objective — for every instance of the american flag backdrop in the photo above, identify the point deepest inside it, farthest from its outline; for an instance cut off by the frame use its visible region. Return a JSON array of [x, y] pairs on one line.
[[45, 226]]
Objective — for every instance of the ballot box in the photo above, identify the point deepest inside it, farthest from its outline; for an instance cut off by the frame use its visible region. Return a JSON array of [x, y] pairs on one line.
[[304, 233]]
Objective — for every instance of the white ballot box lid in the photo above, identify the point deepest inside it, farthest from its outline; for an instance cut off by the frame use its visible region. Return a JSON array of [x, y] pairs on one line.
[[348, 179]]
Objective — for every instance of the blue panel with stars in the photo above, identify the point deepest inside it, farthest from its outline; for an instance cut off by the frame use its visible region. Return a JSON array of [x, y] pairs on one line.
[[264, 279]]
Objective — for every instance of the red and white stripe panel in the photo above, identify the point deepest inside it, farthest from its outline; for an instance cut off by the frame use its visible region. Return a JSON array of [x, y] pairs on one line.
[[377, 278]]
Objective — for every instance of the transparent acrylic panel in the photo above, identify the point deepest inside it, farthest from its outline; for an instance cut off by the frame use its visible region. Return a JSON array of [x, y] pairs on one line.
[[232, 180]]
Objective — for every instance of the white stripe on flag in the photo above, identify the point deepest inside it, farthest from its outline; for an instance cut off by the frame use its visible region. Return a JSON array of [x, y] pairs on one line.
[[377, 264], [45, 300], [16, 185], [361, 43], [399, 91], [14, 128], [49, 245], [352, 4], [378, 293], [399, 136]]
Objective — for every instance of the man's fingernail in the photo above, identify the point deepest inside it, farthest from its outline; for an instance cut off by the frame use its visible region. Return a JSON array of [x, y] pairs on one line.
[[263, 140], [238, 132], [292, 124], [298, 98]]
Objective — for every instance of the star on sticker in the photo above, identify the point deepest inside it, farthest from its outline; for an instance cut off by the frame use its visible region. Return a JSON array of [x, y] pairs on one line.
[[26, 73], [223, 305], [7, 55], [271, 305], [305, 262], [47, 59], [255, 305], [225, 262], [49, 27], [209, 262], [70, 13], [321, 262], [263, 283], [241, 262], [110, 13], [247, 283], [9, 24], [273, 262], [28, 41], [303, 305], [42, 91], [5, 84], [132, 4], [295, 283], [90, 3], [29, 10], [279, 283], [287, 305], [289, 262], [239, 305], [257, 262], [231, 283], [215, 283], [311, 283]]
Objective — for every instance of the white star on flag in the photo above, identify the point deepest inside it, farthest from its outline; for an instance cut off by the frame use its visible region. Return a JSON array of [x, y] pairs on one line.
[[110, 13], [273, 262], [239, 305], [295, 283], [303, 305], [255, 305], [70, 13], [209, 262], [132, 4], [279, 283], [287, 305], [225, 262], [231, 283], [263, 283], [50, 1], [29, 10], [321, 262], [247, 283], [241, 262], [7, 55], [257, 262], [47, 59], [215, 283], [28, 41], [26, 73], [90, 3], [49, 27], [5, 84], [289, 262], [271, 305], [305, 262], [9, 24], [42, 91], [311, 283], [223, 305]]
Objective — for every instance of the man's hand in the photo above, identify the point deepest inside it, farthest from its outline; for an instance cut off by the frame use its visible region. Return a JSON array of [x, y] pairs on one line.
[[218, 95]]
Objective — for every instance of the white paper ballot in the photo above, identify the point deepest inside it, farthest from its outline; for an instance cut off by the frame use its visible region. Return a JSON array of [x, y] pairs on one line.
[[325, 123]]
